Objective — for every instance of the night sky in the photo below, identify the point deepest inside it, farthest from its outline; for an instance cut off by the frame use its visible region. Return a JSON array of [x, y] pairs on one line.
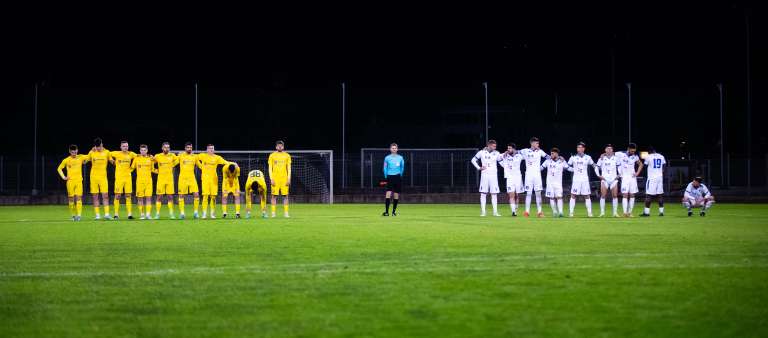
[[414, 76]]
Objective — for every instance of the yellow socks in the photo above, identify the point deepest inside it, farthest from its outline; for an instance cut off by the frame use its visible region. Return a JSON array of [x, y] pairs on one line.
[[237, 208], [205, 203], [79, 207], [196, 203], [224, 208], [141, 209], [96, 211], [274, 208], [170, 206], [117, 206], [181, 205], [72, 209], [106, 209], [213, 203], [285, 208], [129, 206], [149, 208], [159, 205]]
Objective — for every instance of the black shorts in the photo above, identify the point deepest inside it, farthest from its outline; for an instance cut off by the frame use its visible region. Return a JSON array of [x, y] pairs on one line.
[[394, 183]]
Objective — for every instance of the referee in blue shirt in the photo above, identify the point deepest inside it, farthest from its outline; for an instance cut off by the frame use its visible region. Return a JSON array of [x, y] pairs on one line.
[[394, 166]]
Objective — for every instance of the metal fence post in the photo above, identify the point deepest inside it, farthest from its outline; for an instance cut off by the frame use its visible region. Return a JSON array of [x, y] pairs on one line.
[[728, 169], [362, 168], [427, 166], [370, 157], [42, 173], [413, 164], [451, 170], [18, 178]]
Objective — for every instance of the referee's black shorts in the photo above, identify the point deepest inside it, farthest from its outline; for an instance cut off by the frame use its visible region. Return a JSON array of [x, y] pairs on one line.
[[394, 183]]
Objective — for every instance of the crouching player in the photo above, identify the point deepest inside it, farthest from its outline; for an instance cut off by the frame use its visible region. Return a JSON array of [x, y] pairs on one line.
[[555, 166], [256, 185], [230, 185], [697, 195], [74, 177]]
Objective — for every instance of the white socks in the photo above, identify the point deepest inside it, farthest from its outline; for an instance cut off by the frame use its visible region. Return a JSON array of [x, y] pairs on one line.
[[560, 206], [528, 202], [538, 201], [588, 204], [624, 204], [615, 203], [571, 205], [493, 203], [602, 205], [512, 205], [483, 198], [631, 204], [553, 204]]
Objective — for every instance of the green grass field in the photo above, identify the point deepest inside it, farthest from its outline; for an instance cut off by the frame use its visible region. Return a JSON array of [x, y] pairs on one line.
[[343, 270]]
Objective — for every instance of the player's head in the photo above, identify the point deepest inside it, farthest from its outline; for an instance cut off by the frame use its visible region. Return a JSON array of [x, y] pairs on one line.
[[98, 144], [124, 145], [393, 148], [279, 145], [491, 145], [631, 149], [651, 149], [697, 181], [511, 147], [581, 147], [209, 149], [73, 149], [534, 142], [166, 147], [188, 147], [255, 186], [609, 149], [554, 153], [143, 149], [231, 168]]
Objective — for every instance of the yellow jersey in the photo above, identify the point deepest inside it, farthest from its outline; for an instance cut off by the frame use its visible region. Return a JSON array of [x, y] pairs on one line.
[[165, 164], [256, 176], [231, 176], [187, 164], [279, 165], [99, 160], [208, 164], [74, 167], [144, 166], [123, 163]]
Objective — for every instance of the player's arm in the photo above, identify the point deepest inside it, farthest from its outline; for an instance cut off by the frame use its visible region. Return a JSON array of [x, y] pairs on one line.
[[474, 162], [154, 161], [248, 192], [402, 166], [269, 167], [570, 165], [385, 167], [596, 166], [543, 165], [639, 168], [60, 169], [288, 169]]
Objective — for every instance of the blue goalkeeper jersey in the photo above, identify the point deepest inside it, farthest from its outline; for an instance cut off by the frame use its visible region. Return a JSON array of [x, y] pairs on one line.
[[394, 165]]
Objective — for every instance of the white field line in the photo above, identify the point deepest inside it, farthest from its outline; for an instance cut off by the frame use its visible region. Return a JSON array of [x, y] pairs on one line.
[[401, 265]]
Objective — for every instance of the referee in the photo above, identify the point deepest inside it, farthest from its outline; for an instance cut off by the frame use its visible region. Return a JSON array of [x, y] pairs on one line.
[[394, 166]]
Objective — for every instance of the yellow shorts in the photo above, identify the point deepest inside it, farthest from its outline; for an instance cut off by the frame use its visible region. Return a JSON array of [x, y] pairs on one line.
[[123, 185], [143, 189], [165, 187], [280, 187], [227, 188], [210, 186], [187, 185], [74, 188], [99, 184]]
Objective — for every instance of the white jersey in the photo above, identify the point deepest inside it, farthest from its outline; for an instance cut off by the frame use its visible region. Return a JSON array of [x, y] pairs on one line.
[[487, 159], [533, 161], [626, 164], [511, 164], [580, 167], [694, 193], [555, 170], [607, 167], [655, 163]]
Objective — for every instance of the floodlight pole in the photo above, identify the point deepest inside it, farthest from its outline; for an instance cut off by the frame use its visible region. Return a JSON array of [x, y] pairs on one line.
[[722, 138], [343, 135], [629, 111], [34, 147], [196, 116], [487, 137]]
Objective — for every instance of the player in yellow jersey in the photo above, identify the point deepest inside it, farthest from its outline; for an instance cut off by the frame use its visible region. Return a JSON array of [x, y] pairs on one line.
[[256, 185], [165, 161], [144, 164], [208, 162], [99, 157], [187, 180], [230, 184], [122, 160], [280, 176], [74, 177]]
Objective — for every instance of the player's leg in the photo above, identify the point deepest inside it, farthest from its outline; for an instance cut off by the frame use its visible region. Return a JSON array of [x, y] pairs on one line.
[[708, 202], [105, 203], [214, 192], [206, 194], [395, 200], [387, 199], [572, 202], [263, 202], [159, 199], [603, 193], [224, 200], [615, 198], [661, 204], [494, 190], [483, 189], [237, 202], [78, 206], [560, 206], [94, 184], [275, 192], [552, 200], [71, 199], [688, 204], [647, 209]]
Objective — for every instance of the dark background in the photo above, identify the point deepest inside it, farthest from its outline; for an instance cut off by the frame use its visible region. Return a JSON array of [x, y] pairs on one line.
[[414, 76]]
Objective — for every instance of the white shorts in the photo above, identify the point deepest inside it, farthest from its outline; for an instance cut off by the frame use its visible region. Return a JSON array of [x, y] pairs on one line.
[[489, 184], [554, 190], [629, 185], [580, 188], [609, 182], [533, 183], [654, 186], [515, 184]]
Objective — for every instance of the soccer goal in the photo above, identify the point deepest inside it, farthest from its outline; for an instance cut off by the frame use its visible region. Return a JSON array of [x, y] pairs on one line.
[[311, 171]]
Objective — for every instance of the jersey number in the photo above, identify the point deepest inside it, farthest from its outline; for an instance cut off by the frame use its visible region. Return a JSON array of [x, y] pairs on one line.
[[656, 163]]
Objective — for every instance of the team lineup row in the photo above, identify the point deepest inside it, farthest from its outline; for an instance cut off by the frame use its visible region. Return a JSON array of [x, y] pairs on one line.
[[163, 164]]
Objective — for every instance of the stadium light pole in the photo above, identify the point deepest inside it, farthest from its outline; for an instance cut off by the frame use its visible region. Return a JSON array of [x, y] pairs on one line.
[[34, 147], [722, 139], [629, 111], [343, 135], [749, 105], [487, 137], [195, 115]]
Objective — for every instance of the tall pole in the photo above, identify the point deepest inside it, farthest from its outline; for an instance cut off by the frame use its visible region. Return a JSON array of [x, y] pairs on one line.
[[629, 112], [487, 137], [749, 107], [34, 146], [196, 116], [343, 135], [722, 138]]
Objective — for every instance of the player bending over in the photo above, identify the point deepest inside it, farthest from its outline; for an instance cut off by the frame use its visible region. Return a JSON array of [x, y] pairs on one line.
[[627, 162], [533, 156], [280, 176], [606, 170], [230, 185], [208, 162], [123, 182], [99, 157], [697, 195], [74, 177], [511, 161], [394, 166], [555, 166], [144, 164], [489, 181], [165, 162], [187, 180], [654, 184], [579, 165], [256, 185]]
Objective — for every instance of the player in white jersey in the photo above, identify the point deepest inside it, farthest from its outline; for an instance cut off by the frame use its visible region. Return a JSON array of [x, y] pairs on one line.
[[607, 170], [532, 157], [488, 159], [579, 164], [654, 183], [628, 174], [511, 161], [555, 166], [697, 195]]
